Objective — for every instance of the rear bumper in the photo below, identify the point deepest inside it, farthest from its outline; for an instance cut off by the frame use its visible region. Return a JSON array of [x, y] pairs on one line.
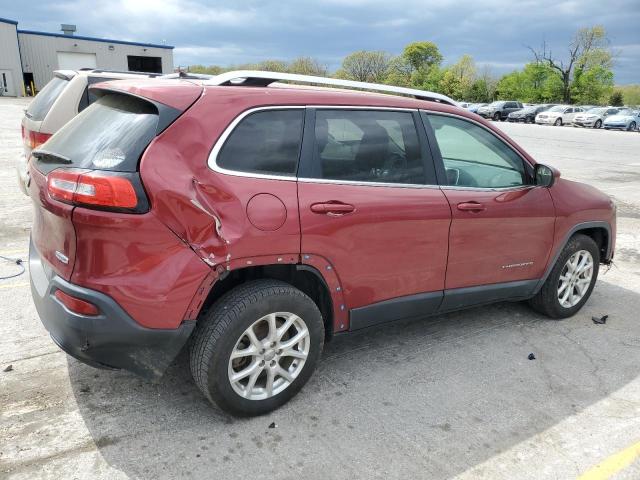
[[111, 339], [546, 121]]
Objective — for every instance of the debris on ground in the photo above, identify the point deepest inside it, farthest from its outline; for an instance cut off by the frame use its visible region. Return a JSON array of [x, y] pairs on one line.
[[8, 368], [273, 425], [600, 320], [18, 262], [531, 356]]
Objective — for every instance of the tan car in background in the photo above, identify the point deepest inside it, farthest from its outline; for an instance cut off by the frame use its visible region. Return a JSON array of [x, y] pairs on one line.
[[59, 101]]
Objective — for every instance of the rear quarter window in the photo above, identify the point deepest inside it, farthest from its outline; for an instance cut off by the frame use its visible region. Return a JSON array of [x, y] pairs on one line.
[[110, 134], [265, 142], [44, 100]]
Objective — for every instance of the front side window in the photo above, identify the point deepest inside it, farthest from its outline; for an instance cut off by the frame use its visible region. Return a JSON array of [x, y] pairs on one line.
[[264, 142], [474, 157], [367, 146]]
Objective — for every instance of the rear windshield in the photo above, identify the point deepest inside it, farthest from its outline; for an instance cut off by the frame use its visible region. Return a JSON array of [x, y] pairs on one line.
[[110, 134], [41, 105]]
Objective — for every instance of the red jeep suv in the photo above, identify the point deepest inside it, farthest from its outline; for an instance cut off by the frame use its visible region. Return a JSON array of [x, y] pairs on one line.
[[252, 220]]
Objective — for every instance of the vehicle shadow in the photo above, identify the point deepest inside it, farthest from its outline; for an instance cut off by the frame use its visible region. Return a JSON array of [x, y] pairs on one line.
[[418, 399]]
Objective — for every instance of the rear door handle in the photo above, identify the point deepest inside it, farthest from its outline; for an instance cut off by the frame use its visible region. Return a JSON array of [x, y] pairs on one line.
[[331, 208], [471, 207]]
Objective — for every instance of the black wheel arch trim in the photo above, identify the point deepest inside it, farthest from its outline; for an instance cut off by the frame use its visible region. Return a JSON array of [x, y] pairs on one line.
[[572, 231]]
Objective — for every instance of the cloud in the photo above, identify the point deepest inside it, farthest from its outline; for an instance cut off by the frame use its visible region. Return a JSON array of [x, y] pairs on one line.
[[494, 32]]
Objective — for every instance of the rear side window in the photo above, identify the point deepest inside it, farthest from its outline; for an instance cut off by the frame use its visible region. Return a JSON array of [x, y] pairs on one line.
[[367, 146], [110, 134], [265, 142], [41, 105]]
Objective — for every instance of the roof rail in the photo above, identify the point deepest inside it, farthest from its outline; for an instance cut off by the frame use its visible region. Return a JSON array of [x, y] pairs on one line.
[[187, 75], [256, 78], [101, 70]]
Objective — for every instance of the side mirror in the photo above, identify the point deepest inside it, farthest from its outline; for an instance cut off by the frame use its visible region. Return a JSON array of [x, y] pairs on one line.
[[545, 176]]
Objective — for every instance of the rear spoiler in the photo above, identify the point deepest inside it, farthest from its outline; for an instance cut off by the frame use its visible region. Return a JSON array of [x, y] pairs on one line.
[[64, 74], [167, 113]]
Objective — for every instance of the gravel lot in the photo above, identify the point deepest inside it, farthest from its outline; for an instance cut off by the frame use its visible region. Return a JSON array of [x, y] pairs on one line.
[[448, 397]]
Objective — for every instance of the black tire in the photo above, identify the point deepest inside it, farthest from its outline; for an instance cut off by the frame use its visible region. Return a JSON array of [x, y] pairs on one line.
[[218, 331], [546, 300], [496, 116], [598, 124], [558, 122]]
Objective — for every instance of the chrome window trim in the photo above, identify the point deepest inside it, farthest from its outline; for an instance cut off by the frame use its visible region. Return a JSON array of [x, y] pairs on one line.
[[359, 183], [485, 189], [362, 107], [212, 162]]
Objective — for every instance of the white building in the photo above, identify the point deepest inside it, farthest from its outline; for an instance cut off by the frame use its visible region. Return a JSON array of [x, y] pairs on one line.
[[31, 57], [10, 68]]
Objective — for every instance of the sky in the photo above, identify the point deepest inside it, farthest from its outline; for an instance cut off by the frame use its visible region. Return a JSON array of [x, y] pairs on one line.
[[495, 32]]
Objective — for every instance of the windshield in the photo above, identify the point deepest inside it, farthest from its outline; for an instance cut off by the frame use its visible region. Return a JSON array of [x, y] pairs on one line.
[[624, 111], [597, 111], [44, 100], [496, 104], [557, 108], [110, 134]]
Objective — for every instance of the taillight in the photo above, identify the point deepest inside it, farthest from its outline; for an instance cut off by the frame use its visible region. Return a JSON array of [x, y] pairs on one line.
[[98, 189], [76, 305], [33, 140]]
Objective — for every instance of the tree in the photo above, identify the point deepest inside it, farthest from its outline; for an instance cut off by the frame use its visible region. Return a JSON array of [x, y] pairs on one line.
[[307, 66], [588, 48], [592, 86], [210, 70], [631, 94], [465, 73], [365, 66], [616, 99], [510, 86], [399, 72], [272, 66], [422, 54]]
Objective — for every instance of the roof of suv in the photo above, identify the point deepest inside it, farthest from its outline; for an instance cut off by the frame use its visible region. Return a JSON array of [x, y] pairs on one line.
[[172, 91]]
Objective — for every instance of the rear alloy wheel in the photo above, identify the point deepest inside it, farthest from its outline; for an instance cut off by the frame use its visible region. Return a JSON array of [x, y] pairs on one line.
[[632, 127], [257, 347], [571, 280], [598, 124], [269, 356], [558, 122]]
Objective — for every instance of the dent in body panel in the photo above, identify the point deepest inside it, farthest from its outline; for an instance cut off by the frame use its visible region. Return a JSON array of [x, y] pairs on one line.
[[207, 210]]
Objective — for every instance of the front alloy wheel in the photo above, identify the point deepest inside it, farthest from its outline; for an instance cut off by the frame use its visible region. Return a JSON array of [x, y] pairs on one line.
[[269, 356], [575, 278], [571, 280]]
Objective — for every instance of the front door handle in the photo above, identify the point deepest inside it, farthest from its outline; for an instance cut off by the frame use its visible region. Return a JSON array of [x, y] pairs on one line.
[[332, 208], [471, 207]]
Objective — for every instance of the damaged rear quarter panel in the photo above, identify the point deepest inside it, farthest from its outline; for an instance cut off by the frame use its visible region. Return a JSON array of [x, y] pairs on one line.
[[152, 275], [208, 210]]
